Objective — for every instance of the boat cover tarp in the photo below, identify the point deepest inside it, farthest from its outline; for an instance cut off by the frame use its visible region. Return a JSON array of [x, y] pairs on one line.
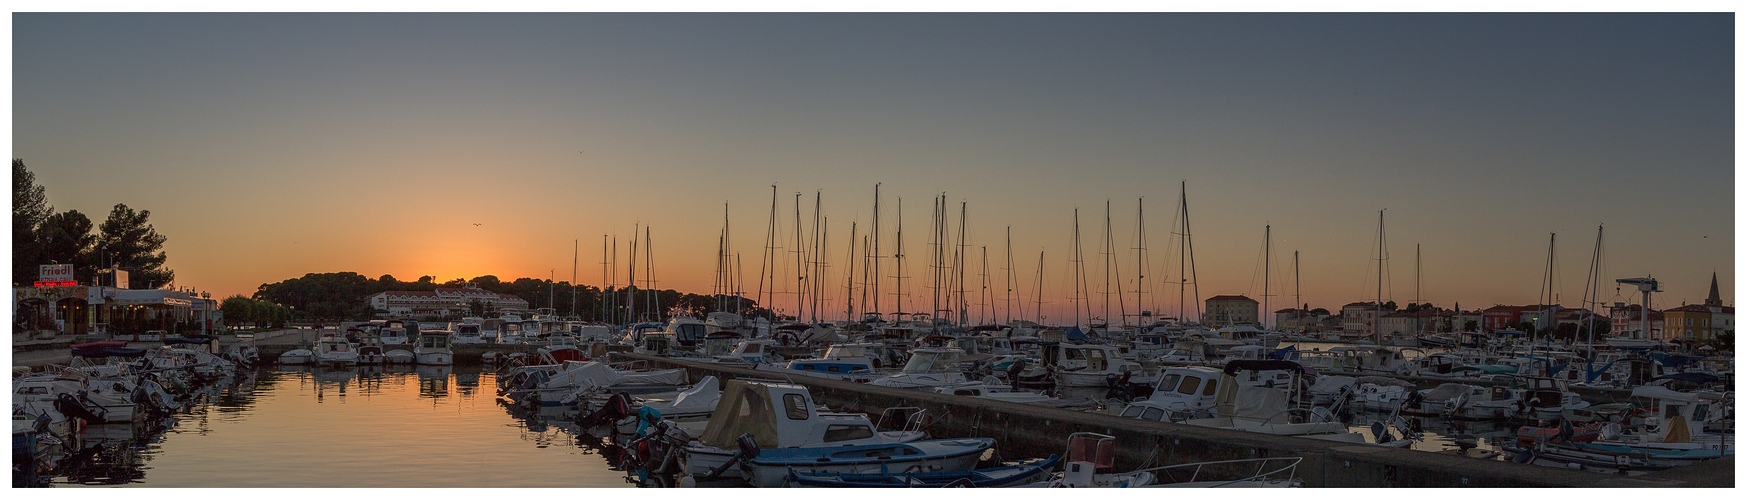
[[583, 374], [700, 397], [1288, 353], [1259, 403], [1074, 333], [1660, 392], [1331, 384], [745, 409], [1446, 391], [1674, 361]]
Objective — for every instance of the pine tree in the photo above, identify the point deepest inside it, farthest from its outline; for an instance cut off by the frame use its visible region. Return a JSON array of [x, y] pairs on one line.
[[30, 206], [136, 247], [65, 238]]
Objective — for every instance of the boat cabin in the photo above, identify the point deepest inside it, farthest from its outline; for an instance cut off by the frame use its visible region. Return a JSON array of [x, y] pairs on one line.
[[782, 416], [1180, 393]]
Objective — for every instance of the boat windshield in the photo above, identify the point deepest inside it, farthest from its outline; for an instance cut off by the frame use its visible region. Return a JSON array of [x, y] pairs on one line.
[[843, 351], [690, 332], [930, 362]]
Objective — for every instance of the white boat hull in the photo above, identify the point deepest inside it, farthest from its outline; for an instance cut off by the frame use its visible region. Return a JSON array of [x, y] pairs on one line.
[[436, 358]]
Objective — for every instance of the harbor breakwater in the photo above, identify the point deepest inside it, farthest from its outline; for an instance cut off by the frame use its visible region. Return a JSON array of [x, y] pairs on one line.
[[1032, 431]]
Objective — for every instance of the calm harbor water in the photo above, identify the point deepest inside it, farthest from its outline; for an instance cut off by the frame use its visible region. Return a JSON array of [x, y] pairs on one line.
[[366, 427]]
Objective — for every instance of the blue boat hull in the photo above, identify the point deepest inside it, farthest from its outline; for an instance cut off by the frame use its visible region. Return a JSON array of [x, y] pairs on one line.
[[993, 477]]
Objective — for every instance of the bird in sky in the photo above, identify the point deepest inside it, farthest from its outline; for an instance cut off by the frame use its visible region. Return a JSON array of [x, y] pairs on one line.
[[476, 223]]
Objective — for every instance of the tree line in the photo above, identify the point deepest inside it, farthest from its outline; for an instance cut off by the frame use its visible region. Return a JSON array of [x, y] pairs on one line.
[[40, 235], [345, 296]]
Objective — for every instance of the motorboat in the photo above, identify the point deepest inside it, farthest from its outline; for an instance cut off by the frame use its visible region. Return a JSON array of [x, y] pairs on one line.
[[687, 332], [394, 332], [433, 349], [1091, 458], [370, 354], [299, 356], [334, 350], [927, 367], [1547, 398], [1087, 365], [1181, 393], [466, 334], [771, 468], [997, 392], [1465, 402], [1270, 409], [1019, 473], [1381, 393], [750, 351], [780, 416]]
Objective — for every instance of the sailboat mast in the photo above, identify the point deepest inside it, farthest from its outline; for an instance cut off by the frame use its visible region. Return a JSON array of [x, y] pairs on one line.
[[1009, 273], [649, 273], [631, 277], [875, 254], [1593, 282], [1140, 258], [1547, 293], [767, 261], [800, 264], [604, 286], [1297, 295], [1267, 270], [1186, 254], [985, 306], [575, 253], [959, 256], [899, 258], [1039, 308], [1079, 268], [1377, 317]]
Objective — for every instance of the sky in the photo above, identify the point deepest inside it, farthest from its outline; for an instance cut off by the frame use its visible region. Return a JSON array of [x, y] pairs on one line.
[[267, 146]]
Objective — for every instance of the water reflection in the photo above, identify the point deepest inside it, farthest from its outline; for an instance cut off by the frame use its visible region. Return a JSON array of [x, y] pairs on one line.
[[323, 427], [434, 381]]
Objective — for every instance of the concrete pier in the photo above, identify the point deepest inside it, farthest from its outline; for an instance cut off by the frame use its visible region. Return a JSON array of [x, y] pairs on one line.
[[1026, 430]]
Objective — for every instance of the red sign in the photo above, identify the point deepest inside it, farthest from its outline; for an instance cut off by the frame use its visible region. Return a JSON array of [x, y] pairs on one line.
[[44, 284]]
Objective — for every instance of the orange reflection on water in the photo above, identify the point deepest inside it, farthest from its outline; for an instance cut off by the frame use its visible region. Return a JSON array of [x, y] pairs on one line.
[[369, 427]]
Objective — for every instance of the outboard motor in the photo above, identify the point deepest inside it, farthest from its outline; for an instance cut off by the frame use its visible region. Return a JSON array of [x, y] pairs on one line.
[[70, 406], [616, 407], [1381, 432], [748, 450]]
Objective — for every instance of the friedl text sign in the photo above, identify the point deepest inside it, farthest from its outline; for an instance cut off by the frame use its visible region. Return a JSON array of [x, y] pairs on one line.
[[55, 272]]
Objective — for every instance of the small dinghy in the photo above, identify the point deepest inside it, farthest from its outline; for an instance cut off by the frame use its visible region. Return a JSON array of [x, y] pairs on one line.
[[297, 357], [1024, 472], [771, 468]]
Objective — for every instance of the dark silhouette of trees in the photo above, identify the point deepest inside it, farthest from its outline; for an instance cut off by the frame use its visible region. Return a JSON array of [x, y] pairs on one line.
[[136, 247], [65, 238], [30, 207]]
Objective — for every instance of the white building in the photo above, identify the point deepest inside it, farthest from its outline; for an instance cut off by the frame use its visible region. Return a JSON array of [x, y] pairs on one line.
[[442, 302]]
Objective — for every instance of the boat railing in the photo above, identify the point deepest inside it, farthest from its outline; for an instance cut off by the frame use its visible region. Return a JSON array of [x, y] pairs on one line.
[[1265, 469], [912, 420]]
